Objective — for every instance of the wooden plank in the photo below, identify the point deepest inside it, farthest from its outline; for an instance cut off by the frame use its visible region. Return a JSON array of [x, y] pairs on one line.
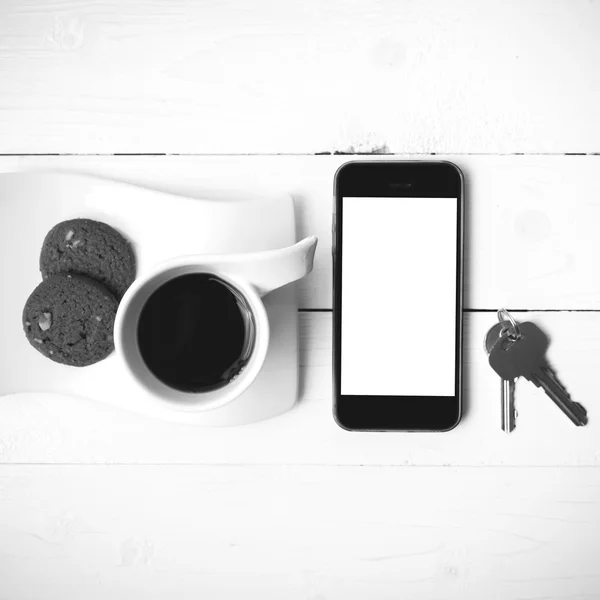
[[50, 429], [210, 77], [532, 221], [311, 532]]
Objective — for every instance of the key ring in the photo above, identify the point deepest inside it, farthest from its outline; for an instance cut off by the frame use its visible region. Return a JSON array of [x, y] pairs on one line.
[[504, 315]]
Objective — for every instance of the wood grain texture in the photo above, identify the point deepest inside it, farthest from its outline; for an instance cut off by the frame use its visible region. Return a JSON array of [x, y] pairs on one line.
[[288, 532], [532, 222], [52, 429], [314, 521], [82, 76]]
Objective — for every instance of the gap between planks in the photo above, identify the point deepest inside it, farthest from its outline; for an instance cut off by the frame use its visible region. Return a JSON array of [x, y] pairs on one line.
[[292, 465], [324, 153], [485, 310]]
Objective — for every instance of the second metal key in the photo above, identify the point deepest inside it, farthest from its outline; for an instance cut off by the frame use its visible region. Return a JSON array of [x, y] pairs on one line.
[[507, 388]]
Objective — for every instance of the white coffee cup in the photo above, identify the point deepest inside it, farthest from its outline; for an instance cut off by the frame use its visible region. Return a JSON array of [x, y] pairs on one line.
[[249, 276]]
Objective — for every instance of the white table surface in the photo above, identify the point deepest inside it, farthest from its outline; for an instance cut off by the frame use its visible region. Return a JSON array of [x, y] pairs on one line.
[[188, 96]]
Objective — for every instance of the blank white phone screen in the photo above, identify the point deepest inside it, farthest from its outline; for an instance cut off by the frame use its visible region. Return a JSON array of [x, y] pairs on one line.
[[399, 284]]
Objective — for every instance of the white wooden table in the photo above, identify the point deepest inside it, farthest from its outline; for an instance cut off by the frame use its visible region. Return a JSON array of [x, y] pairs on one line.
[[192, 96]]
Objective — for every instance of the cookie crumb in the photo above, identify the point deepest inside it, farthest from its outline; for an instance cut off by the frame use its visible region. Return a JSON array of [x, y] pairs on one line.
[[45, 321]]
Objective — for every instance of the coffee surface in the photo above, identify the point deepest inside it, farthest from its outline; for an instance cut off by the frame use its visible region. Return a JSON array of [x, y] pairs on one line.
[[195, 333]]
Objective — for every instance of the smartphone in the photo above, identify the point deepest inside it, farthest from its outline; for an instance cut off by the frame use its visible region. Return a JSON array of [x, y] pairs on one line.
[[397, 295]]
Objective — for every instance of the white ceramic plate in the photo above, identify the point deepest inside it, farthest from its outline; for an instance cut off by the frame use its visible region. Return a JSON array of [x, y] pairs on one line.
[[160, 226]]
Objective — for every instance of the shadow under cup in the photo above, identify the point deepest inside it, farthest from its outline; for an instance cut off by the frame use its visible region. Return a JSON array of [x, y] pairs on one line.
[[192, 336]]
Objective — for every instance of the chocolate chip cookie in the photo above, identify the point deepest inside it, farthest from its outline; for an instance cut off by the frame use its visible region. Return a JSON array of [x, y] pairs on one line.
[[70, 318], [90, 248]]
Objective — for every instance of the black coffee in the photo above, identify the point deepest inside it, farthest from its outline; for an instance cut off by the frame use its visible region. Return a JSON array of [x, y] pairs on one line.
[[195, 333]]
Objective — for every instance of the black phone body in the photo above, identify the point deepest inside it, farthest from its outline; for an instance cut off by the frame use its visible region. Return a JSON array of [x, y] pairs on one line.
[[397, 295]]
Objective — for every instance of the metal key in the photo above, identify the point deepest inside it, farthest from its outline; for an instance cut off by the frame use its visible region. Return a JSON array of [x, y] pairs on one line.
[[507, 386], [525, 356]]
